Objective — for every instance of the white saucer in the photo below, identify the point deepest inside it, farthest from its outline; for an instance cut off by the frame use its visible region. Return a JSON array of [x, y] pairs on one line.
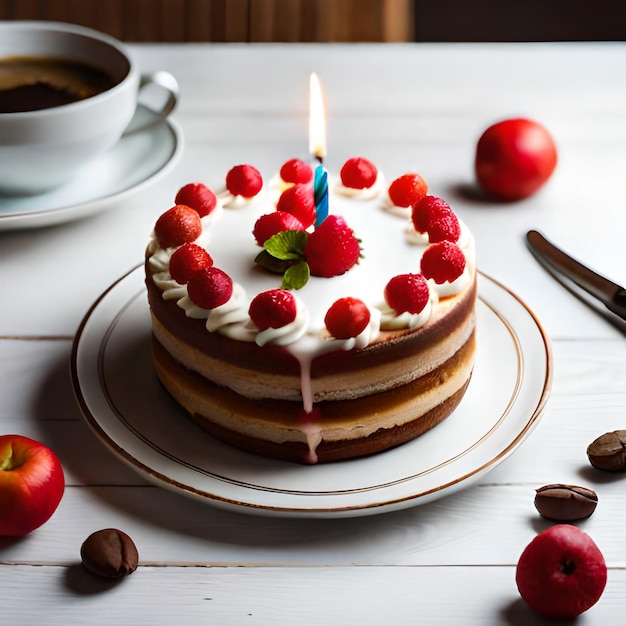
[[136, 161], [122, 400]]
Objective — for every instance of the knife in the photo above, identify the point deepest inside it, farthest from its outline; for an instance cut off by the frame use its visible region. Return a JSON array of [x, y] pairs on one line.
[[612, 295]]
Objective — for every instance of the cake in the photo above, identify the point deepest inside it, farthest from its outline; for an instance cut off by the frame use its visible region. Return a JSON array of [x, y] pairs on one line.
[[313, 318]]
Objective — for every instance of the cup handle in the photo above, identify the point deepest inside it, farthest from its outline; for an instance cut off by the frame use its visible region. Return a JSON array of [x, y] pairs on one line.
[[166, 82]]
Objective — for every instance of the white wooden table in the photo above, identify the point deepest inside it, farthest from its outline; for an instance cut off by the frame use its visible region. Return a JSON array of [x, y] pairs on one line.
[[451, 561]]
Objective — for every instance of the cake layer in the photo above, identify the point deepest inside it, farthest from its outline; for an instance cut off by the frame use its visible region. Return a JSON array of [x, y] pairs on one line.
[[335, 430], [395, 359]]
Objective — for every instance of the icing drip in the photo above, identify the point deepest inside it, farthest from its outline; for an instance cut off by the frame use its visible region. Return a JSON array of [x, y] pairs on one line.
[[309, 425]]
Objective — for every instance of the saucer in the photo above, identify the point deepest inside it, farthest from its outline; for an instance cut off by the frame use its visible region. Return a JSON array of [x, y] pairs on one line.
[[139, 159]]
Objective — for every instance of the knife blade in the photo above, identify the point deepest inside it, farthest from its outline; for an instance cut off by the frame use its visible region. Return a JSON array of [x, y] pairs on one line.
[[612, 295]]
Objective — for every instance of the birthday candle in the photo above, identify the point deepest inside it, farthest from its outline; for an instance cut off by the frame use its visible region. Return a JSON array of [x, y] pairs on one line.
[[320, 192]]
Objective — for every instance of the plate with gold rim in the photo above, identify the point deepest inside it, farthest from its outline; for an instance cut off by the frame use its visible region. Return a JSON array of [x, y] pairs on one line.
[[123, 402]]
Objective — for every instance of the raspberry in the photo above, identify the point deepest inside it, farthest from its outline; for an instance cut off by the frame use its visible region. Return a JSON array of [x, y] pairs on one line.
[[271, 223], [407, 293], [186, 260], [332, 249], [347, 317], [296, 171], [273, 309], [197, 196], [358, 173], [434, 216], [210, 287], [442, 261], [300, 202], [178, 225], [244, 180], [408, 189]]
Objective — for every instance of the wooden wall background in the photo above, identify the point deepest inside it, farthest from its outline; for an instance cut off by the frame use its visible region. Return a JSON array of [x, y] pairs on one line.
[[335, 20], [228, 20]]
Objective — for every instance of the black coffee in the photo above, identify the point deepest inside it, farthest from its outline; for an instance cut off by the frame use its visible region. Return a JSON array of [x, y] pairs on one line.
[[34, 83]]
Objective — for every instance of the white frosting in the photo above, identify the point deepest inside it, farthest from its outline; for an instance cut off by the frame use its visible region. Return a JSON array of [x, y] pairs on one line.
[[377, 190], [289, 333], [390, 320], [451, 288], [389, 248], [231, 201]]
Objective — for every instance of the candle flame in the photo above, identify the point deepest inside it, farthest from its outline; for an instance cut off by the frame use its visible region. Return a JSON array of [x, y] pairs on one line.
[[317, 119]]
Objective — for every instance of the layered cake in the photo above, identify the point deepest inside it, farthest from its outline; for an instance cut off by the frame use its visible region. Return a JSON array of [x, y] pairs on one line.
[[313, 318]]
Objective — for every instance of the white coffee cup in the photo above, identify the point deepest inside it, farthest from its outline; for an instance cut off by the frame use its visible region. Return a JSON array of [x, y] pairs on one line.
[[43, 149]]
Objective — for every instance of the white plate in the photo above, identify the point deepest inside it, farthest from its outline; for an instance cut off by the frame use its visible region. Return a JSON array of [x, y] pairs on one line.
[[122, 400], [136, 161]]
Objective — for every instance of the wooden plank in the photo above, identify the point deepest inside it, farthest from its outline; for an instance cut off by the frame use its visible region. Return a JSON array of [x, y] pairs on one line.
[[83, 13], [57, 10], [288, 20], [236, 24], [110, 17], [262, 20], [172, 19], [217, 20], [282, 20], [366, 20], [28, 9], [199, 20], [398, 20], [280, 596], [6, 9], [308, 22], [484, 525], [333, 20]]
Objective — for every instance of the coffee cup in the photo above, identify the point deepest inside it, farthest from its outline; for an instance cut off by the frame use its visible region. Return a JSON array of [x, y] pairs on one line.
[[67, 94]]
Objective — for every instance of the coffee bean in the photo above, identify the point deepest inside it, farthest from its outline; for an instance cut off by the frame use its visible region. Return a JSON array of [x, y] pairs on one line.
[[109, 553], [608, 452], [565, 503]]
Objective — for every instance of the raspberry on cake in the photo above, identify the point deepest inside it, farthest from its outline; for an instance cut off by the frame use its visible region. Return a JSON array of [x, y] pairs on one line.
[[296, 171], [347, 317], [197, 196], [244, 180], [433, 216], [299, 201], [358, 173], [273, 223], [179, 225], [369, 345], [407, 190]]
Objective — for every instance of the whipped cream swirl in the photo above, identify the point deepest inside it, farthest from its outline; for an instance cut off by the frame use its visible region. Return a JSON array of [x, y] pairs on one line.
[[391, 320], [287, 334], [367, 193], [231, 201]]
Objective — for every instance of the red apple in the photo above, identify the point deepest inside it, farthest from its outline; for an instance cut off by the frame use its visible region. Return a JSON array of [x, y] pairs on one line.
[[561, 573], [31, 484], [514, 158]]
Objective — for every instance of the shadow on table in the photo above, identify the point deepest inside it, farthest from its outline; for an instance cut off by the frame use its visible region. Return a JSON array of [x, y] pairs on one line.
[[84, 583], [517, 613]]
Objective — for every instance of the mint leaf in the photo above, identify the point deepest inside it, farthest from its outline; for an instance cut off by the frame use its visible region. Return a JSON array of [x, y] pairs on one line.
[[296, 276], [287, 244], [271, 263]]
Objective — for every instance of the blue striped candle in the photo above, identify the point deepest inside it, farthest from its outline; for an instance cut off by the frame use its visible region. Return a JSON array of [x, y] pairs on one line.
[[320, 192]]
